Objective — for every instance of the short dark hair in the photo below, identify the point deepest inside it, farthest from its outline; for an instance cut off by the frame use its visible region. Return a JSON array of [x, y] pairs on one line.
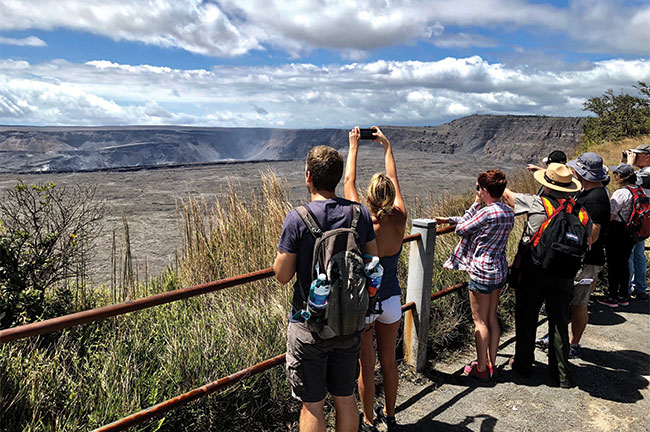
[[494, 181], [325, 165]]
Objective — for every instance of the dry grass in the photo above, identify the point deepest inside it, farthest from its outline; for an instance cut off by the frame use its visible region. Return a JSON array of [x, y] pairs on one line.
[[94, 374]]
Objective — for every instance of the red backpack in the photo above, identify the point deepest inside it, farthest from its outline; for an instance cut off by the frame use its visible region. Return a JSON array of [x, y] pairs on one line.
[[638, 225]]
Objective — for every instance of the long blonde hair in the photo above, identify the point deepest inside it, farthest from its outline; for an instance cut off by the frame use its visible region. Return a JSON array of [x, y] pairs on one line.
[[381, 195]]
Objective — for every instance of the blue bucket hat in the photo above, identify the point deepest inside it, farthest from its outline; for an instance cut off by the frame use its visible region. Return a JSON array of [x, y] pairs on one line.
[[590, 167]]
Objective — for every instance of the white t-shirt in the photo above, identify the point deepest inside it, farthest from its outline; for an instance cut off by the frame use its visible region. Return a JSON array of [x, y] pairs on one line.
[[621, 204]]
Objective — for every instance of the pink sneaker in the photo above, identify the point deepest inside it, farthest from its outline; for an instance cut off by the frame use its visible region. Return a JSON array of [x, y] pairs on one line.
[[494, 372], [468, 368], [483, 376]]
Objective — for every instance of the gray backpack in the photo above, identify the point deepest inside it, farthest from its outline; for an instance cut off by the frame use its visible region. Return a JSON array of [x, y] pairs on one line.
[[338, 255]]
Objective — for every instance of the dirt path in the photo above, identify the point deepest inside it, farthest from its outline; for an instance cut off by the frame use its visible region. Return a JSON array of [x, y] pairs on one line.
[[611, 392]]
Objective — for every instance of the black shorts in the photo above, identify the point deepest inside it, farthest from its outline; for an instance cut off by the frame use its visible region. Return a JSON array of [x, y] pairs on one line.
[[317, 366]]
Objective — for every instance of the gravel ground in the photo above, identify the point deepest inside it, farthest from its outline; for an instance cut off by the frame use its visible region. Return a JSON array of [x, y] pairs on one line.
[[611, 392]]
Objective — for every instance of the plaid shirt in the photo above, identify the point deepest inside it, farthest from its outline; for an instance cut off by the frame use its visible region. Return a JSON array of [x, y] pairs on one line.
[[482, 249]]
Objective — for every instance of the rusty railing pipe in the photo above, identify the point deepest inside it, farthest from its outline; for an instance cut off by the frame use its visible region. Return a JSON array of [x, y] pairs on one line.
[[192, 395], [91, 315]]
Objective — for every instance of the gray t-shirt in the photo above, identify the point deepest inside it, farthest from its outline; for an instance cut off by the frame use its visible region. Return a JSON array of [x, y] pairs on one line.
[[532, 206], [643, 179]]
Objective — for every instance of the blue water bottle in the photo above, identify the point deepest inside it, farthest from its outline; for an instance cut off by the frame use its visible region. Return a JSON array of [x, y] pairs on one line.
[[319, 292]]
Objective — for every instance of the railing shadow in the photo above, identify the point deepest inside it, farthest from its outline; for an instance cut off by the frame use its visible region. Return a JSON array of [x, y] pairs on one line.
[[428, 424]]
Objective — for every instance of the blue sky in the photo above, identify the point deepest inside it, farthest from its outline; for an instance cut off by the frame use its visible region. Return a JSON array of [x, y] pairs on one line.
[[312, 63]]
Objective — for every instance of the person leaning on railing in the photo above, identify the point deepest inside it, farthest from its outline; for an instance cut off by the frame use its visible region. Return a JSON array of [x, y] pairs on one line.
[[484, 229], [317, 366], [388, 213]]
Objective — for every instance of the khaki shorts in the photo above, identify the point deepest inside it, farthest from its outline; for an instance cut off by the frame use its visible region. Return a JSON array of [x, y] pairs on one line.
[[582, 284], [316, 366]]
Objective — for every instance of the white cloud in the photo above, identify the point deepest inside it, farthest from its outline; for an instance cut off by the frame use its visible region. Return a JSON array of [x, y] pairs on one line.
[[298, 95], [31, 41], [235, 27]]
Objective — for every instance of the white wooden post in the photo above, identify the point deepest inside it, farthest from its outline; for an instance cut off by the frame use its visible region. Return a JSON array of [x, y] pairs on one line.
[[418, 290]]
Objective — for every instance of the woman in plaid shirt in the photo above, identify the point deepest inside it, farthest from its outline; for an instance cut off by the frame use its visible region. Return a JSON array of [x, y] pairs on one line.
[[481, 252]]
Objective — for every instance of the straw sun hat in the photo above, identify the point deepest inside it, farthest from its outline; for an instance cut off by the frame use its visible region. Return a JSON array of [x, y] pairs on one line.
[[558, 177]]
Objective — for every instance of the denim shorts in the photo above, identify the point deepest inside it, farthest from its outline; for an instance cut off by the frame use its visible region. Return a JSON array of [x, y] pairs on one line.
[[480, 288]]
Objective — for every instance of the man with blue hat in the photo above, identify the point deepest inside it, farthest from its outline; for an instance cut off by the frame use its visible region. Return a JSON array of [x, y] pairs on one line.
[[591, 173], [640, 158]]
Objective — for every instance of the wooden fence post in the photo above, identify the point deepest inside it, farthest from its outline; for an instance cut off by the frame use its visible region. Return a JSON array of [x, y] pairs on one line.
[[420, 277]]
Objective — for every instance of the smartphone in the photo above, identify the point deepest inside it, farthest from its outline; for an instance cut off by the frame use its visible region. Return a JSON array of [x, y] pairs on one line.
[[367, 134], [624, 156]]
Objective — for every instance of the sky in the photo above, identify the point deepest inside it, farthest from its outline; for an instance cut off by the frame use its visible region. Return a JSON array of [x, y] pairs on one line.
[[313, 63]]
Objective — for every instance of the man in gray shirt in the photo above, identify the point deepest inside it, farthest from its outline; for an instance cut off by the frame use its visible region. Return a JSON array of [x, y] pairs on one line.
[[640, 158]]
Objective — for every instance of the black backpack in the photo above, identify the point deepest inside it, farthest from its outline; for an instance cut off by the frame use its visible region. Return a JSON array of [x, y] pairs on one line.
[[560, 244], [638, 225], [338, 254]]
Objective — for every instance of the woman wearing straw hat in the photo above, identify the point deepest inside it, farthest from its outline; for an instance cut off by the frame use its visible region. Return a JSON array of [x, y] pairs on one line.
[[536, 285]]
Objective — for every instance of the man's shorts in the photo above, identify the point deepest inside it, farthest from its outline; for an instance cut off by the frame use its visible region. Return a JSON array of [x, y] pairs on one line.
[[480, 288], [391, 311], [317, 366], [582, 284]]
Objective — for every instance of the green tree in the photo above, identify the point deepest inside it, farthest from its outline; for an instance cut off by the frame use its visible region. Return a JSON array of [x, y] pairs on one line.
[[618, 115], [46, 233]]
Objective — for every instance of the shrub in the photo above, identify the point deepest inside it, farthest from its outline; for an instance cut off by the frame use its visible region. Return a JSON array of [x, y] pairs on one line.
[[617, 115], [46, 234]]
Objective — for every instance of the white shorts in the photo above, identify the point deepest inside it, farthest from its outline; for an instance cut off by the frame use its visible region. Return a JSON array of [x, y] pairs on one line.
[[391, 311]]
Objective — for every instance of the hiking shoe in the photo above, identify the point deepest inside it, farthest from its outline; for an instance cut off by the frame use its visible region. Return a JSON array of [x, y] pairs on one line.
[[574, 351], [623, 301], [483, 376], [542, 343], [608, 301]]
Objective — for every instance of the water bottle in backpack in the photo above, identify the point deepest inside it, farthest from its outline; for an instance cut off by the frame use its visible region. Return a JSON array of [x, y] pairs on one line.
[[374, 273], [318, 295]]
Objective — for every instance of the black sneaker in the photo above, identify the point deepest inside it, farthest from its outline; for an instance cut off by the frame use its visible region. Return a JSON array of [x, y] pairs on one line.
[[365, 427], [391, 423], [640, 295], [574, 351], [542, 343], [623, 301], [608, 301]]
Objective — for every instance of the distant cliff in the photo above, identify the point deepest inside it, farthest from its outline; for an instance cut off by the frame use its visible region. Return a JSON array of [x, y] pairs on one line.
[[22, 148]]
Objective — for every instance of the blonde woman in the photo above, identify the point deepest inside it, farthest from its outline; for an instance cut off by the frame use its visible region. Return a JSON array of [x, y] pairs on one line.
[[388, 214]]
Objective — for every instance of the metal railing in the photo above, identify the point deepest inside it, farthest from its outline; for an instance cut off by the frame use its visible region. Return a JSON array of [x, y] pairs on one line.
[[54, 324]]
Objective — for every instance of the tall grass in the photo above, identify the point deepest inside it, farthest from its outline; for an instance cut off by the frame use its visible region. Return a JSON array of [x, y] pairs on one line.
[[91, 375]]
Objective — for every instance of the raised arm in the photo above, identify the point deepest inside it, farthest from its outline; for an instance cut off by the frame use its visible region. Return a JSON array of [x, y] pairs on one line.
[[350, 182], [391, 169]]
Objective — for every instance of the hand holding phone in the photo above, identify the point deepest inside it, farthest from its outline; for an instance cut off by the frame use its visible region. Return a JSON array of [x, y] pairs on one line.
[[368, 134]]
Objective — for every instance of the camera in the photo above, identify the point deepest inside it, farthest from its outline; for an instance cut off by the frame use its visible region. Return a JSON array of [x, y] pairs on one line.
[[624, 156], [367, 134]]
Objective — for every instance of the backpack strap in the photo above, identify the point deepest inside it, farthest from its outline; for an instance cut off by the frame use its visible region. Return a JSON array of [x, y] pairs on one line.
[[310, 221], [548, 206], [356, 213]]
